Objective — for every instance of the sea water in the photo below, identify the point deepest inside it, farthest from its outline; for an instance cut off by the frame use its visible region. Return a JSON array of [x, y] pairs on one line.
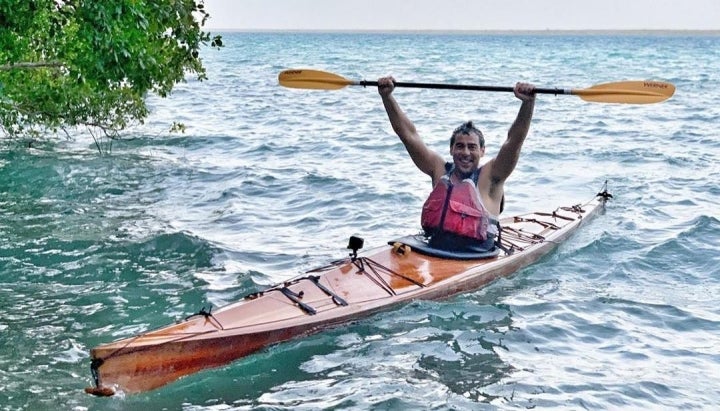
[[268, 182]]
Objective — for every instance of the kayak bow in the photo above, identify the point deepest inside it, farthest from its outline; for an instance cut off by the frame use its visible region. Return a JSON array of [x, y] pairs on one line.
[[343, 291]]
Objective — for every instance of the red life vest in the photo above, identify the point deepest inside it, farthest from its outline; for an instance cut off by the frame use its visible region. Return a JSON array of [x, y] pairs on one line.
[[458, 209]]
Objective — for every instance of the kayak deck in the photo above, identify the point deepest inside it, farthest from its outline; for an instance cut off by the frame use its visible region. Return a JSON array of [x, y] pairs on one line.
[[345, 290]]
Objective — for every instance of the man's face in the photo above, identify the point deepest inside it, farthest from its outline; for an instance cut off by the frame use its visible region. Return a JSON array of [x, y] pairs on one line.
[[466, 153]]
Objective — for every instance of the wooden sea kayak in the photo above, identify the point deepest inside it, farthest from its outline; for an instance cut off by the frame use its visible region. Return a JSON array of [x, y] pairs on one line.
[[343, 291]]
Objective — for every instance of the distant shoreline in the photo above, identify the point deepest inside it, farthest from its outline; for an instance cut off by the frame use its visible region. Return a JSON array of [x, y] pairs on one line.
[[489, 32]]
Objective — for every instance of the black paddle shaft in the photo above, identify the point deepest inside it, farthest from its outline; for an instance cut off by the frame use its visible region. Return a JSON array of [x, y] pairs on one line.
[[554, 91]]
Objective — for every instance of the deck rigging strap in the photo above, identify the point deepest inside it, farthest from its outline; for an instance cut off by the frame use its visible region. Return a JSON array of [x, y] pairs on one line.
[[375, 274], [295, 297], [524, 236], [335, 298], [373, 263], [545, 224], [499, 241], [554, 214], [577, 208], [208, 316]]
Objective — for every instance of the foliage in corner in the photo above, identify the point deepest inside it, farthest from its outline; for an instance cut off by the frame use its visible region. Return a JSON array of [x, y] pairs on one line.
[[91, 63]]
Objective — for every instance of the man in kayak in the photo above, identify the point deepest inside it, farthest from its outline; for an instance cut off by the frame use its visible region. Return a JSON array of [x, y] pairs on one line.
[[461, 213]]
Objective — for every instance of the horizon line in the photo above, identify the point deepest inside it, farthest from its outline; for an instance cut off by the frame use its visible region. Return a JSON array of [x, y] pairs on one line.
[[713, 32]]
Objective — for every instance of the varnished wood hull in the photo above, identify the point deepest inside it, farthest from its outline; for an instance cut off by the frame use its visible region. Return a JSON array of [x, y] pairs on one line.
[[377, 280]]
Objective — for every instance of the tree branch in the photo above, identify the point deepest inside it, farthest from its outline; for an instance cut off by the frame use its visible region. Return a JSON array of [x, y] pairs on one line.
[[30, 65]]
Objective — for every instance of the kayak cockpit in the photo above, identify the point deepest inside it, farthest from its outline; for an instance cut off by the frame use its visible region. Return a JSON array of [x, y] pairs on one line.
[[419, 244]]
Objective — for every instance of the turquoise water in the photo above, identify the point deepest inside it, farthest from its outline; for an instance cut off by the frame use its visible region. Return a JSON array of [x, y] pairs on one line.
[[268, 182]]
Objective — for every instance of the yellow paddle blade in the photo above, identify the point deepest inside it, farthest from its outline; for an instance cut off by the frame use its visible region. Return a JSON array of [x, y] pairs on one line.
[[312, 79], [628, 92]]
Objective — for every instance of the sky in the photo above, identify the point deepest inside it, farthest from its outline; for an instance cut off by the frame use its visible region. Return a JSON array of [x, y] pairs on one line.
[[463, 14]]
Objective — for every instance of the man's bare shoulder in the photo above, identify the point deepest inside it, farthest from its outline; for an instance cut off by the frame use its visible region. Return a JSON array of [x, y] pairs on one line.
[[486, 172], [488, 182]]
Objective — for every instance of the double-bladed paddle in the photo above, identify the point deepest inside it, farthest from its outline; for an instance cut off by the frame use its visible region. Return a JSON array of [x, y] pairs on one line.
[[628, 92]]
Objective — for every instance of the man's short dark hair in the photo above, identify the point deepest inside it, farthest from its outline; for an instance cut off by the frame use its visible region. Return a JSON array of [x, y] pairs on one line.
[[467, 128]]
